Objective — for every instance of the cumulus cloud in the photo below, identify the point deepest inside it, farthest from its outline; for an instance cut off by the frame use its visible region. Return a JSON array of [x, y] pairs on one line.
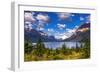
[[39, 20], [66, 34], [28, 25], [64, 15], [41, 28], [50, 30], [42, 17], [27, 22], [67, 29], [76, 27], [81, 18], [62, 36], [88, 19], [61, 26], [40, 24], [73, 15], [72, 30], [28, 16]]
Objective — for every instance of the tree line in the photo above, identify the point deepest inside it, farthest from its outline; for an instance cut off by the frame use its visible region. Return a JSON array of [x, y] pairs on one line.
[[39, 52]]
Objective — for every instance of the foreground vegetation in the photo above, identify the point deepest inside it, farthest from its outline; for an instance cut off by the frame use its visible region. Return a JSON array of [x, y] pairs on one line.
[[39, 52]]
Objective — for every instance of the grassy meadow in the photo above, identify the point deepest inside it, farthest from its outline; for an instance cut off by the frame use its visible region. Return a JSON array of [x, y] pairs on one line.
[[40, 53]]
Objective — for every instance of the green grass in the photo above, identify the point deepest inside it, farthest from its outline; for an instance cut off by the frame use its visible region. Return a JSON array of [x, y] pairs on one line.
[[40, 53], [69, 54]]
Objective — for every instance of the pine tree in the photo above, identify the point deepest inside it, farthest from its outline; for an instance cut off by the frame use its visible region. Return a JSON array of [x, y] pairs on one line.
[[87, 48], [40, 48], [28, 47], [64, 46], [77, 45], [64, 50]]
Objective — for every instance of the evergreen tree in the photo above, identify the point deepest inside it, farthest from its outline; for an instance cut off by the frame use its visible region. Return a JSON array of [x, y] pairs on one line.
[[87, 48], [81, 45], [77, 47], [28, 46], [40, 48], [64, 46], [64, 50]]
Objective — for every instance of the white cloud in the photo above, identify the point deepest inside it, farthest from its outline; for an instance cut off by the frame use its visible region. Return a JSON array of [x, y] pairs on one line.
[[66, 34], [50, 30], [88, 19], [73, 15], [72, 30], [27, 22], [33, 13], [61, 26], [64, 15], [28, 16], [62, 36], [76, 27], [40, 25], [42, 17], [28, 25], [67, 29], [41, 29], [81, 18]]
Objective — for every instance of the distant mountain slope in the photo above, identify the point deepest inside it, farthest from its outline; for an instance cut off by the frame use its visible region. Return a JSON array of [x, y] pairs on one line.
[[86, 25], [34, 35], [82, 33]]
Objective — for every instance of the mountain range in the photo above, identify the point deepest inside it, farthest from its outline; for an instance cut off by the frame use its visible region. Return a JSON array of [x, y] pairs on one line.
[[81, 33], [35, 35]]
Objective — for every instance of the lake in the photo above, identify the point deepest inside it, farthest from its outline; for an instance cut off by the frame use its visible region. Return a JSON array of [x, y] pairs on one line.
[[55, 45]]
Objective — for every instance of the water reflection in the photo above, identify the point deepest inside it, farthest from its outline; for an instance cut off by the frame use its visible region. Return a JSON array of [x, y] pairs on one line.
[[55, 45]]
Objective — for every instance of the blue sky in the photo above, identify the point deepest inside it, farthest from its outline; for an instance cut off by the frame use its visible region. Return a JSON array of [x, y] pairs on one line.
[[61, 25]]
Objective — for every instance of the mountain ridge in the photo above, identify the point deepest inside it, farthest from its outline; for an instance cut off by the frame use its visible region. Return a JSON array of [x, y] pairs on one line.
[[34, 35], [82, 33]]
